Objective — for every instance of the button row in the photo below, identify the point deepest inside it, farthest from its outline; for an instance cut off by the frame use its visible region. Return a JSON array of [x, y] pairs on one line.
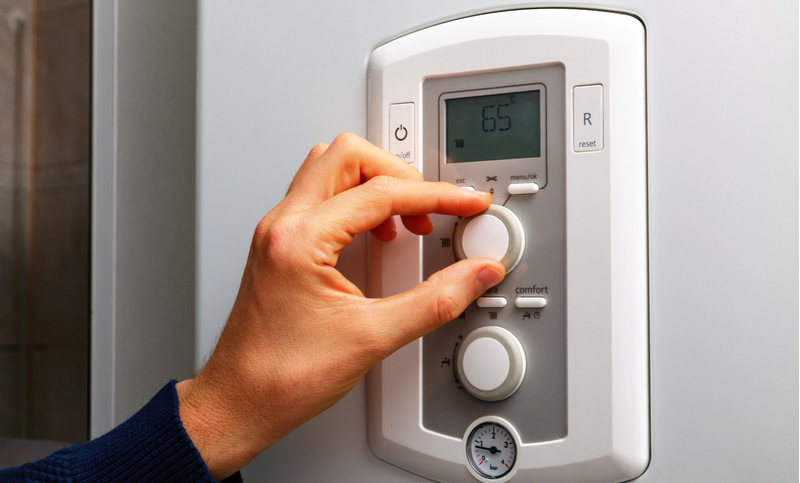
[[521, 302], [516, 188]]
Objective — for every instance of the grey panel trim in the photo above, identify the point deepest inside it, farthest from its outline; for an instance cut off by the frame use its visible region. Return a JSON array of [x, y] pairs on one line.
[[143, 245], [101, 392], [156, 104]]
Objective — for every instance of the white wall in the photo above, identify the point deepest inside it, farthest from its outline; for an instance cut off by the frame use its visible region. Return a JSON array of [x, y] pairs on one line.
[[277, 77]]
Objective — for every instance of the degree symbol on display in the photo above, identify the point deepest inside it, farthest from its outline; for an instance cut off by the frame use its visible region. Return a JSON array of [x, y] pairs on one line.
[[401, 136]]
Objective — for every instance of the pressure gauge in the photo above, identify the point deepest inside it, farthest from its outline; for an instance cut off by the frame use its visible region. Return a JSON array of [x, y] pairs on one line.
[[491, 451]]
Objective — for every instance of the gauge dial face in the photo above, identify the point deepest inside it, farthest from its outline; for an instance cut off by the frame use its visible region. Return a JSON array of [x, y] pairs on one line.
[[491, 450]]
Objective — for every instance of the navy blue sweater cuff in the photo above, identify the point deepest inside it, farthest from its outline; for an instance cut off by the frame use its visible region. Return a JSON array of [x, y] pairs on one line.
[[151, 446]]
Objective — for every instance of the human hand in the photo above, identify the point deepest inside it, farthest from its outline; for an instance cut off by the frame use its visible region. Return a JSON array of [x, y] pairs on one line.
[[300, 335]]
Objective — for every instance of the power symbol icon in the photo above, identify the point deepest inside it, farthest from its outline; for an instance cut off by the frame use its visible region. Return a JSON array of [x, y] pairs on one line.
[[401, 133]]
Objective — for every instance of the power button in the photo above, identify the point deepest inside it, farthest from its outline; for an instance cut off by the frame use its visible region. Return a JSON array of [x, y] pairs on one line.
[[401, 131]]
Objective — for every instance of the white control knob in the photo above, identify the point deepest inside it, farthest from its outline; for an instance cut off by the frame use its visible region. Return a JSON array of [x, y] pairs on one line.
[[490, 363], [495, 233]]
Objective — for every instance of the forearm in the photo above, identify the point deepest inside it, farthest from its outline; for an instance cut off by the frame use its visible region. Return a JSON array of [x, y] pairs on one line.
[[150, 446]]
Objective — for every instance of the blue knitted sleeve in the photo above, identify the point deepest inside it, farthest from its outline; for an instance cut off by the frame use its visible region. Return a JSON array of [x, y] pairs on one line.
[[151, 446]]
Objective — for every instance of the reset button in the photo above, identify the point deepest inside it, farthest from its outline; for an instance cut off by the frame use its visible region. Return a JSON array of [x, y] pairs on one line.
[[587, 118]]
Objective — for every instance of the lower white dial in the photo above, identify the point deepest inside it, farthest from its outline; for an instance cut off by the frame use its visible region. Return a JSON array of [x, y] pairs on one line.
[[486, 364], [490, 363], [491, 450]]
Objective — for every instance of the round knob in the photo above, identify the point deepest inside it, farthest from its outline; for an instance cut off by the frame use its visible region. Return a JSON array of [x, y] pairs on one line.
[[495, 233], [491, 363]]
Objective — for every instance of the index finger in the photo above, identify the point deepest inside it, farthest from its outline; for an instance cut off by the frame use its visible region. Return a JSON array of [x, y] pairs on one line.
[[349, 161], [366, 206]]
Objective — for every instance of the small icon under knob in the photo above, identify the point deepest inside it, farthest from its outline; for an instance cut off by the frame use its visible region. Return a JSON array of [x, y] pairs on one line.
[[401, 133]]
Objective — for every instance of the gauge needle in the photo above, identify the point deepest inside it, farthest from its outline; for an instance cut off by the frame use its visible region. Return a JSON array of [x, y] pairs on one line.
[[493, 449]]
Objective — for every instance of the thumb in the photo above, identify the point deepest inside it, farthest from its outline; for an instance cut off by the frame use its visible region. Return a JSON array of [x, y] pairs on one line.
[[441, 298]]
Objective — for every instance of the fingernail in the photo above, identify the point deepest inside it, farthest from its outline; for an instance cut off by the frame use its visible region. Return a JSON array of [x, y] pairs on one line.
[[487, 278], [483, 193]]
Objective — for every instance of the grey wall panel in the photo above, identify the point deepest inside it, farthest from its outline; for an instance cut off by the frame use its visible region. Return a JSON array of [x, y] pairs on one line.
[[276, 78], [144, 202], [101, 382], [156, 103]]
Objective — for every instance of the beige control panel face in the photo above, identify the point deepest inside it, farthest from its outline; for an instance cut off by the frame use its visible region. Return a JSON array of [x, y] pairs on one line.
[[523, 167]]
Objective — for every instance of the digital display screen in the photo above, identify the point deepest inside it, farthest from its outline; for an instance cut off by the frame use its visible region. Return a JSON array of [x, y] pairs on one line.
[[498, 126]]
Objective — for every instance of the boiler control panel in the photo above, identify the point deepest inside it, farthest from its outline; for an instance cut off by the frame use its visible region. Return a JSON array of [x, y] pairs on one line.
[[507, 141], [545, 110]]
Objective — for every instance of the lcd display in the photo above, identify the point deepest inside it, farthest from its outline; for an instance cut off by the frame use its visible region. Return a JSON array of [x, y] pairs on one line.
[[488, 128]]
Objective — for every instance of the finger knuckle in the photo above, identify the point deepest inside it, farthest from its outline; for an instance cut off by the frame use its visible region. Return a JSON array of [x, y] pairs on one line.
[[317, 150], [448, 306], [279, 240], [347, 140], [381, 183], [262, 227], [258, 234]]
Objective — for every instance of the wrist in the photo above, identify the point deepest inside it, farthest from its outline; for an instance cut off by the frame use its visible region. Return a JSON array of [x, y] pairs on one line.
[[212, 432]]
